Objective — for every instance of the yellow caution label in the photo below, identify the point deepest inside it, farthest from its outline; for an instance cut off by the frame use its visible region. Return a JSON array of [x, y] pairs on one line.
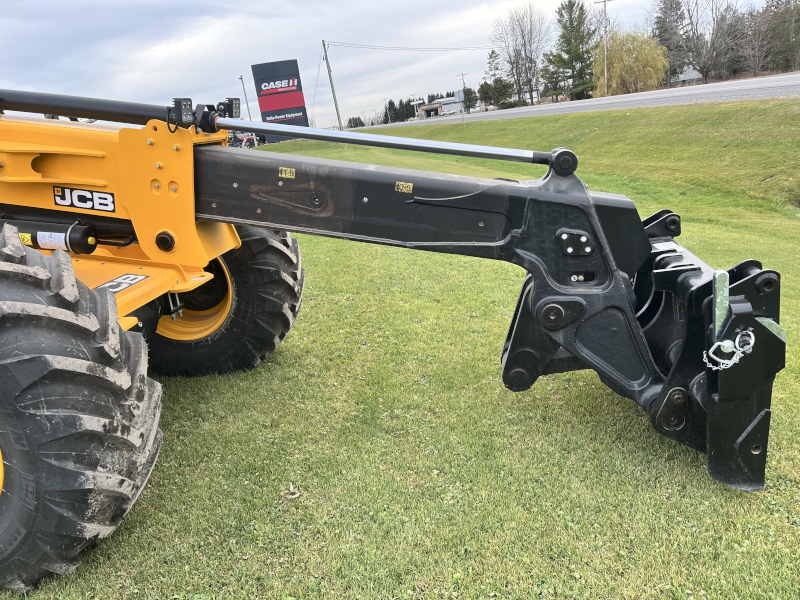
[[402, 186], [25, 238], [286, 172]]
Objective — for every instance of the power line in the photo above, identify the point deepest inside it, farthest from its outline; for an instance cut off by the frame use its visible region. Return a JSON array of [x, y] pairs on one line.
[[408, 49]]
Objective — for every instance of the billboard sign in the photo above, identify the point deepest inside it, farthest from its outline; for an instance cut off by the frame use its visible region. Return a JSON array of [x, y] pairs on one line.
[[280, 95]]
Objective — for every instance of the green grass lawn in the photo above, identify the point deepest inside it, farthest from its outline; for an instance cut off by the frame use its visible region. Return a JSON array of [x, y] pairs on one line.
[[420, 475]]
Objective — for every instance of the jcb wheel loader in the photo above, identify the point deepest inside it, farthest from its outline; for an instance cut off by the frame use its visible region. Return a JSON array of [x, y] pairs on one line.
[[151, 233]]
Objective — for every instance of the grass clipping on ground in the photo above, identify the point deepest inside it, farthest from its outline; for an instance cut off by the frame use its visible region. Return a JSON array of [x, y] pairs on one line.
[[377, 454]]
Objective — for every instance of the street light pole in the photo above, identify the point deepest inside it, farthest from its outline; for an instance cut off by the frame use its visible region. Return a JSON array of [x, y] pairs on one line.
[[246, 103], [605, 44]]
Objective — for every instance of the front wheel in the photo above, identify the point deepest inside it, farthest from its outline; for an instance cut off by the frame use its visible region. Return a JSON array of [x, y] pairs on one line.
[[78, 415], [239, 317]]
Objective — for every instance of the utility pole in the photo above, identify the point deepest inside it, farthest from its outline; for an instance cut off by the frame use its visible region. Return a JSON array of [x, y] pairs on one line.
[[386, 107], [246, 103], [605, 43], [463, 97], [333, 91]]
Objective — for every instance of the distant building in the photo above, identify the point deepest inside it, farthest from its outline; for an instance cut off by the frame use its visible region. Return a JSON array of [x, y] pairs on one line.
[[425, 111], [689, 75], [443, 106]]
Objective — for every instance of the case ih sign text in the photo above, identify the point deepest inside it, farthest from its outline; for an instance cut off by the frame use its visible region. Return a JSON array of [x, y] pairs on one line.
[[280, 94]]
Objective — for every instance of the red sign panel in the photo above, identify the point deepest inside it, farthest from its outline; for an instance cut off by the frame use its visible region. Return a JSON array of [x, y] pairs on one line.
[[280, 94]]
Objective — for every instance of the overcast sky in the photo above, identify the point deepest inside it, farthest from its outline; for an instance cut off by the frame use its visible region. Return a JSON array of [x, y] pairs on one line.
[[150, 51]]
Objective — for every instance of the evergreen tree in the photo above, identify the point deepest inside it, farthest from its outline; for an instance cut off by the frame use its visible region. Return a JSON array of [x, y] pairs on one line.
[[354, 122], [668, 28], [494, 67], [485, 93], [573, 50], [783, 34], [470, 99], [502, 90]]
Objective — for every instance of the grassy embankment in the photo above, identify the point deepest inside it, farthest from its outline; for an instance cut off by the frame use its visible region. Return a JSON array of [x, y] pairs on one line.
[[420, 475]]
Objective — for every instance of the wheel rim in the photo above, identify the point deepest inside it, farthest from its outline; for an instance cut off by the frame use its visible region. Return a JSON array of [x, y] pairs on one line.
[[196, 324]]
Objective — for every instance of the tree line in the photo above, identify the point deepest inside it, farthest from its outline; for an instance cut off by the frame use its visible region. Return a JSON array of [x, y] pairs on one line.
[[566, 56], [574, 54]]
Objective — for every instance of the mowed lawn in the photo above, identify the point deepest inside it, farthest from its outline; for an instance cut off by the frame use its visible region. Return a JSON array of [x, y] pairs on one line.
[[419, 474]]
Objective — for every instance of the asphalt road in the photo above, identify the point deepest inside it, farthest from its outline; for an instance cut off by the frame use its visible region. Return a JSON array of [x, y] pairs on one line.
[[773, 86]]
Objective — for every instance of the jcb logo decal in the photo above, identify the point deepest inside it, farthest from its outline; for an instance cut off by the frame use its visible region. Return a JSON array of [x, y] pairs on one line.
[[84, 199], [123, 282]]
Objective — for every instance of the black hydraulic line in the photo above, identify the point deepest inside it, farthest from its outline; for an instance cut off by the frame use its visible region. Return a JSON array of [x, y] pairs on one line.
[[83, 108]]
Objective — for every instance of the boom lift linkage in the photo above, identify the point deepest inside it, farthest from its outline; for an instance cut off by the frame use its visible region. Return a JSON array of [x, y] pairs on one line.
[[163, 230]]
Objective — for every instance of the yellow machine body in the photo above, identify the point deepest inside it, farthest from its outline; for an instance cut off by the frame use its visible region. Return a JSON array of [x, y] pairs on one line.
[[150, 172]]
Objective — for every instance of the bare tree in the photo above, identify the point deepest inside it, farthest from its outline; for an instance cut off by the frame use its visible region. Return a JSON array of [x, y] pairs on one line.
[[711, 36], [534, 36], [522, 36], [755, 41], [504, 39]]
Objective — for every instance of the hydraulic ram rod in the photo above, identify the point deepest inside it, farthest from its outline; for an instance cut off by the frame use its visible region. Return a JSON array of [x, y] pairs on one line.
[[387, 141], [79, 107], [140, 114]]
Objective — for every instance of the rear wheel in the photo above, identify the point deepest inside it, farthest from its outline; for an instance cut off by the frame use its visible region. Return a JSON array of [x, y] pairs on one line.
[[239, 317], [78, 415]]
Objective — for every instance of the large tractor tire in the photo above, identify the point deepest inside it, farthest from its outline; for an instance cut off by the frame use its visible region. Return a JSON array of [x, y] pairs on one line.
[[238, 318], [78, 415]]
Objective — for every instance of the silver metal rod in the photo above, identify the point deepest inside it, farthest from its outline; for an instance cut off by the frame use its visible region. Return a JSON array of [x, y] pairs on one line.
[[386, 141]]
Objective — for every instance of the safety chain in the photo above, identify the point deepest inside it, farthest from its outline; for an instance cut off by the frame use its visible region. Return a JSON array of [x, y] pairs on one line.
[[744, 343]]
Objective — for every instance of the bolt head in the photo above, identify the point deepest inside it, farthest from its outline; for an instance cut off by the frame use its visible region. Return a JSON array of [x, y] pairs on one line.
[[552, 315], [155, 185], [677, 396], [673, 421], [570, 250]]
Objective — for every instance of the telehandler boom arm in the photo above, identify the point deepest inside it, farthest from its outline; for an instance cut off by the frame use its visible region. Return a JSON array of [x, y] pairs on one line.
[[696, 348]]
